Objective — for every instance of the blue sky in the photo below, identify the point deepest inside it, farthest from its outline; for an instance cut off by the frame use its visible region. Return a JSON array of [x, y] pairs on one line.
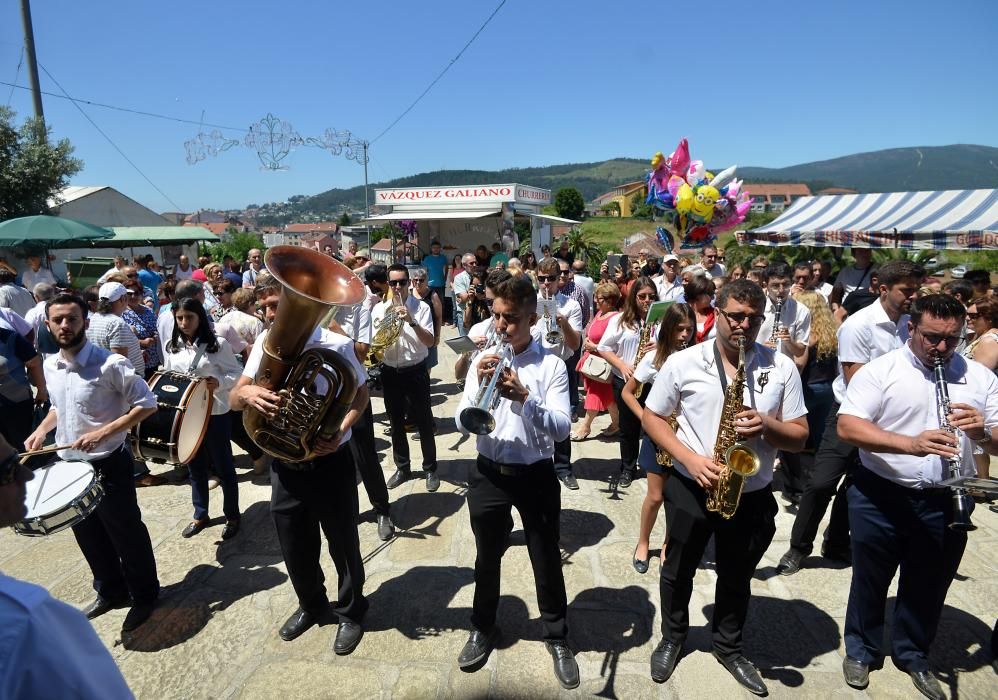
[[761, 83]]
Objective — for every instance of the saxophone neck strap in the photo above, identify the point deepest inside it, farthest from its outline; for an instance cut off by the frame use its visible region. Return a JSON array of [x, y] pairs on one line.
[[202, 348], [721, 374]]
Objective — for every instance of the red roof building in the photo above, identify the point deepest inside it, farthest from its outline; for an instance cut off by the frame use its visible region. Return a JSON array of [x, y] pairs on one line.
[[775, 196]]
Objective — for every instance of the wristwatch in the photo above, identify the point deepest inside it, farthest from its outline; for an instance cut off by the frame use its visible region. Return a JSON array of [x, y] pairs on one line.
[[987, 436]]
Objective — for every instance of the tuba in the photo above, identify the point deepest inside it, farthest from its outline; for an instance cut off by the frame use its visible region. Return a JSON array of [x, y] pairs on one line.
[[312, 282], [737, 460]]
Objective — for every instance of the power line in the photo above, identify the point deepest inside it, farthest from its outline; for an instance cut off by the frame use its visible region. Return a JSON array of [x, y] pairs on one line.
[[140, 112], [113, 144], [442, 73], [17, 73]]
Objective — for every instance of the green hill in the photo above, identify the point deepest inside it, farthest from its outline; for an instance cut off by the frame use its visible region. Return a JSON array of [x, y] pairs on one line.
[[893, 170]]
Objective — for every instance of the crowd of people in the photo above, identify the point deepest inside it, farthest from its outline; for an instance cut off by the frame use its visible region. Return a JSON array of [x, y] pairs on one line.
[[839, 404]]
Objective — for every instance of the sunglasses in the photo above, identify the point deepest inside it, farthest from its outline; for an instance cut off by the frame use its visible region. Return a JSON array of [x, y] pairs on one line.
[[737, 318], [565, 273], [418, 280], [398, 283], [546, 278], [973, 316]]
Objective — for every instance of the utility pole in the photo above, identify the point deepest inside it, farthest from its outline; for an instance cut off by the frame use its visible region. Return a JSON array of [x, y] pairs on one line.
[[367, 205], [29, 49]]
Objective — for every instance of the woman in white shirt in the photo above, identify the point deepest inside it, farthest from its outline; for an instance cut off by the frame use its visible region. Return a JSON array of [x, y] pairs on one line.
[[619, 347], [217, 364], [982, 319], [673, 335]]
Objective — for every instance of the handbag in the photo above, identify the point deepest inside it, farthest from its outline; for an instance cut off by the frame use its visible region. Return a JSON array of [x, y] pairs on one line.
[[595, 368]]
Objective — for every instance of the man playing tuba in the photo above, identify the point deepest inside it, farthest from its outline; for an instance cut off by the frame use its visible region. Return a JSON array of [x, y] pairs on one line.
[[768, 416]]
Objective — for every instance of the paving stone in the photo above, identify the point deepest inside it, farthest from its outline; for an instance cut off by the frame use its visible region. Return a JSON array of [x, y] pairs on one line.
[[308, 680]]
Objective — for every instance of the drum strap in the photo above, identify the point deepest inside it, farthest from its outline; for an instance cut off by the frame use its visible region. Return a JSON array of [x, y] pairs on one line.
[[202, 347]]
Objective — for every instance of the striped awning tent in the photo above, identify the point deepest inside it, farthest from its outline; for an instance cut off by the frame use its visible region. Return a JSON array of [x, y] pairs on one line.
[[945, 219]]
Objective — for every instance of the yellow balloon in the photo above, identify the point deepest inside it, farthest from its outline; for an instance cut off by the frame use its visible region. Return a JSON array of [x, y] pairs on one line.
[[684, 199], [703, 203], [656, 159]]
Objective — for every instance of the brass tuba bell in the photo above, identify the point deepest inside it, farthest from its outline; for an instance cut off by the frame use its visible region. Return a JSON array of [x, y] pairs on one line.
[[312, 282]]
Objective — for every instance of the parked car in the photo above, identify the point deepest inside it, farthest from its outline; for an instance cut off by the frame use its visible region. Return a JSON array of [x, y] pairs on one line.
[[931, 264], [958, 272]]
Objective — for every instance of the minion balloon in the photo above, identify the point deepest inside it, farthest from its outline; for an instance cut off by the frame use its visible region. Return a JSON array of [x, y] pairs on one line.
[[704, 200]]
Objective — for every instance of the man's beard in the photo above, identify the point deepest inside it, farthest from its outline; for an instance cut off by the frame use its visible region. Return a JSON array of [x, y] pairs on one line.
[[73, 342]]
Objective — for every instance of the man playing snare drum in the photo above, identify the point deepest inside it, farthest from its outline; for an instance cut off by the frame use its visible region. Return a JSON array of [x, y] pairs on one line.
[[96, 399]]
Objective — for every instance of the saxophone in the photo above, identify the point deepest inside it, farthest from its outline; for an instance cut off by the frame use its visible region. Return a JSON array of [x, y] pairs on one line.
[[737, 460]]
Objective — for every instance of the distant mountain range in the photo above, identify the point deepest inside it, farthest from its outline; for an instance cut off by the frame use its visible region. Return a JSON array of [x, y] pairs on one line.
[[898, 169]]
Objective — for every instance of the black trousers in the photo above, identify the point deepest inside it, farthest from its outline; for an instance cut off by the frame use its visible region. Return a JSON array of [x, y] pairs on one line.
[[892, 527], [114, 540], [242, 438], [739, 544], [573, 378], [630, 430], [365, 455], [303, 502], [536, 495], [832, 461], [563, 457], [414, 383]]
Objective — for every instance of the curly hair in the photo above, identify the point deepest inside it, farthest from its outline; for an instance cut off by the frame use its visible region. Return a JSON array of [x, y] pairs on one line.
[[822, 322]]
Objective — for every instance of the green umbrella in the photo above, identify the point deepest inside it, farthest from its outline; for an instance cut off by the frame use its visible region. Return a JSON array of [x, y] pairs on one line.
[[48, 232]]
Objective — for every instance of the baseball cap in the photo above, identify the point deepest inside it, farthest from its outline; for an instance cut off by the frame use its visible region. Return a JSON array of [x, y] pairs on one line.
[[669, 258], [112, 291]]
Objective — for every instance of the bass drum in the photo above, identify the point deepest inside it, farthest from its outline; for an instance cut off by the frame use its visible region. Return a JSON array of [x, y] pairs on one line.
[[174, 433], [61, 495]]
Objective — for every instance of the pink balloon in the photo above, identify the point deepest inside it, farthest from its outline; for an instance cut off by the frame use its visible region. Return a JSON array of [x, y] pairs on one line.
[[680, 160]]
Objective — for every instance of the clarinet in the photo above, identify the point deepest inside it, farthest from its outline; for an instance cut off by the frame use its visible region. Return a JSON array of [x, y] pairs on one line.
[[777, 323], [961, 501]]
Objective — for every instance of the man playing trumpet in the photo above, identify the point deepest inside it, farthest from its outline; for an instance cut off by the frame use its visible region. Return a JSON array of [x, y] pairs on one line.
[[515, 469], [770, 416]]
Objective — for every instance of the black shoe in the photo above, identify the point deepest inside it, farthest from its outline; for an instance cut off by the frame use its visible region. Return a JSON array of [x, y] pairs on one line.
[[745, 673], [386, 529], [663, 660], [101, 606], [566, 669], [842, 554], [477, 648], [297, 624], [640, 565], [194, 528], [347, 638], [790, 563], [569, 481], [137, 614], [230, 530], [625, 479], [927, 685], [432, 481], [397, 479], [856, 673]]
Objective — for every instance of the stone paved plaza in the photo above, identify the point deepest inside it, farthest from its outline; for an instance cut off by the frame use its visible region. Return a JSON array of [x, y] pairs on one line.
[[214, 634]]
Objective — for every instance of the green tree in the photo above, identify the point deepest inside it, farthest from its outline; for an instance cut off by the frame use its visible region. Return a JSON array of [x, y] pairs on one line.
[[640, 209], [585, 247], [569, 203], [32, 171], [344, 219], [238, 244]]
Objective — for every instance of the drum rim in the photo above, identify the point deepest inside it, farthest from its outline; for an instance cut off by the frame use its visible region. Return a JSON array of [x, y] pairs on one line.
[[173, 451]]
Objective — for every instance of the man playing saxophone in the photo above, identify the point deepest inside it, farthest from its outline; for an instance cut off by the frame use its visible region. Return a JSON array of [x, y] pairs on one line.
[[559, 331], [769, 416]]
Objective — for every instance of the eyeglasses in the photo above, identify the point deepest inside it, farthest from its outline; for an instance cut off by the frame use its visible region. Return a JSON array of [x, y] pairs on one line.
[[417, 280], [648, 296], [546, 278], [737, 318], [398, 283], [973, 316], [933, 339]]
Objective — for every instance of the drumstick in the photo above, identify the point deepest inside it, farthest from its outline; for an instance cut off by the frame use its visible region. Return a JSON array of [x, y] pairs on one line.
[[41, 488], [25, 456]]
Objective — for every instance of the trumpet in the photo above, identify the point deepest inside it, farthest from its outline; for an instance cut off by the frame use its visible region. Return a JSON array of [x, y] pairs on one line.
[[479, 418], [553, 336]]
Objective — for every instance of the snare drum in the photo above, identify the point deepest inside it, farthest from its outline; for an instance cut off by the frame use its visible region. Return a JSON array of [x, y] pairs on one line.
[[174, 433], [61, 495]]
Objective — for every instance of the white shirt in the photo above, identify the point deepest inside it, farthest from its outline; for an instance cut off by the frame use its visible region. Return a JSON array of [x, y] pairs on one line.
[[898, 393], [355, 321], [645, 372], [88, 392], [525, 433], [181, 274], [462, 282], [587, 285], [716, 271], [17, 299], [670, 291], [866, 335], [320, 338], [408, 350], [36, 318], [165, 324], [246, 326], [49, 649], [852, 279], [795, 318], [29, 278], [565, 306], [622, 342], [221, 365], [14, 321], [690, 380]]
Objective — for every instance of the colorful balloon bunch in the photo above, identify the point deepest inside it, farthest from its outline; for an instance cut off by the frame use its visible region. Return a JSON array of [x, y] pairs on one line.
[[695, 204]]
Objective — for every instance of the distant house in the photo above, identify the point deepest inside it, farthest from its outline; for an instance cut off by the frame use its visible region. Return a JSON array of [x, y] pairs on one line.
[[637, 242], [621, 194], [315, 235], [775, 197], [104, 206], [206, 216]]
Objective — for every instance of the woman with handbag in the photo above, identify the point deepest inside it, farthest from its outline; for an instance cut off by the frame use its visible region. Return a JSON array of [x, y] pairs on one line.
[[594, 369], [674, 334]]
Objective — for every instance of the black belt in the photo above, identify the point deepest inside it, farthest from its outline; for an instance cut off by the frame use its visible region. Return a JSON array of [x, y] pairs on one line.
[[404, 370], [513, 469]]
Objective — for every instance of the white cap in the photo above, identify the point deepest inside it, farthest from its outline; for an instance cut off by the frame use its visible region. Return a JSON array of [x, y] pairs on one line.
[[669, 258], [112, 291]]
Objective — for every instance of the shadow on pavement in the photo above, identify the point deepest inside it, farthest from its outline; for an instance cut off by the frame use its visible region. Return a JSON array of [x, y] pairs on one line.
[[419, 515], [963, 644]]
